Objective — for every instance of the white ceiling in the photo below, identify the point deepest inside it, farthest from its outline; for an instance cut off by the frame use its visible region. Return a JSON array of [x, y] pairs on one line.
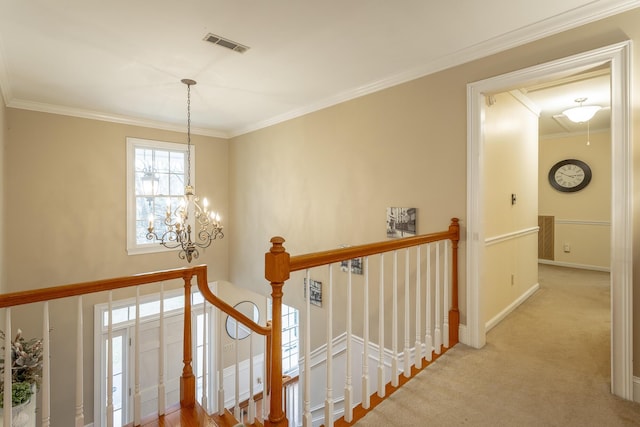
[[553, 97], [123, 60]]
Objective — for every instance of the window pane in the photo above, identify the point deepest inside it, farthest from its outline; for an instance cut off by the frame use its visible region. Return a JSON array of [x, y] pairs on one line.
[[161, 161], [176, 184], [178, 161]]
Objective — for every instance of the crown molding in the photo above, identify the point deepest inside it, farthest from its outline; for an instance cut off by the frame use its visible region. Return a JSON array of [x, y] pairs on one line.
[[565, 21], [573, 18], [114, 118]]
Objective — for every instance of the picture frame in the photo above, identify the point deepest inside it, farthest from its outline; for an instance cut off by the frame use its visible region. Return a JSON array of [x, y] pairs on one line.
[[356, 266], [401, 222], [315, 289]]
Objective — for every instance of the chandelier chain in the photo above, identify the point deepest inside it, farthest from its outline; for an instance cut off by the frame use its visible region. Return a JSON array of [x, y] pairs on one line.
[[188, 134]]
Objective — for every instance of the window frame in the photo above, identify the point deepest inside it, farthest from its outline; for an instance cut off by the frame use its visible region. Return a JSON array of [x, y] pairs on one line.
[[152, 246]]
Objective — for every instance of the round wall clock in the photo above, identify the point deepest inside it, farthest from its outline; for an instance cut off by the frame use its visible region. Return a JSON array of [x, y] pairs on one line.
[[570, 175]]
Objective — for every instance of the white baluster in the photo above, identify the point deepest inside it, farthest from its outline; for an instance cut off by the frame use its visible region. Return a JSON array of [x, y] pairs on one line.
[[236, 408], [381, 378], [6, 401], [407, 350], [220, 365], [252, 402], [445, 298], [306, 416], [137, 398], [366, 399], [348, 387], [437, 332], [418, 343], [110, 362], [265, 397], [328, 403], [428, 339], [204, 400], [161, 355], [394, 324], [79, 366], [45, 387]]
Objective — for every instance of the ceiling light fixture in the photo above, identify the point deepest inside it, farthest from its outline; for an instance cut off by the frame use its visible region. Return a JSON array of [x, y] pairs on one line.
[[178, 234], [583, 113]]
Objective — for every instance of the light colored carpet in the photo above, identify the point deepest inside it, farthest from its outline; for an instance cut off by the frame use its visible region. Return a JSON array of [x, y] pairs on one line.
[[546, 364]]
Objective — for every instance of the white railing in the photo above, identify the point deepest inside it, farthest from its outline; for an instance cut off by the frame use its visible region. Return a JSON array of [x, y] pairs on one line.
[[435, 254], [24, 305]]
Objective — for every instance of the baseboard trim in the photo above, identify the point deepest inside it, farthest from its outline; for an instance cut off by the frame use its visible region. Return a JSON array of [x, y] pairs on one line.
[[504, 313], [572, 265]]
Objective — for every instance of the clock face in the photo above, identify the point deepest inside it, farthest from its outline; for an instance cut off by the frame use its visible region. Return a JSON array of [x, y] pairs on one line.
[[570, 175]]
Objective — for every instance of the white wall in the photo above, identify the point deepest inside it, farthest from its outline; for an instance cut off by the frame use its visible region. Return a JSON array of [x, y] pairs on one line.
[[583, 218], [511, 168]]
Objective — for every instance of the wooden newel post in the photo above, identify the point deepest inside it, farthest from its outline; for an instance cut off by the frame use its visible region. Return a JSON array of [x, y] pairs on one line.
[[276, 263], [187, 380], [454, 313]]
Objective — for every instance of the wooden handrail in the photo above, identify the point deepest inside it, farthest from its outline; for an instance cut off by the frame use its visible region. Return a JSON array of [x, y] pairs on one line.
[[57, 292], [302, 262], [203, 286]]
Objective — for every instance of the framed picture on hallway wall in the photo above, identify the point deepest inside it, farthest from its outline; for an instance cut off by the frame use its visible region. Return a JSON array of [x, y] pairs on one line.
[[315, 289], [356, 264], [401, 222]]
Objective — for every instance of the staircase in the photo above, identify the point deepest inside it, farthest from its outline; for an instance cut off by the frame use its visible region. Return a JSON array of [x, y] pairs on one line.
[[404, 290]]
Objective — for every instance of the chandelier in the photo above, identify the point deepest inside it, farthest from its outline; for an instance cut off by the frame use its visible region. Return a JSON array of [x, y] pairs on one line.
[[178, 233]]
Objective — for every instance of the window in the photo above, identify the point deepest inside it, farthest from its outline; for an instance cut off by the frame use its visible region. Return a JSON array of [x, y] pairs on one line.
[[290, 338], [290, 341], [156, 177]]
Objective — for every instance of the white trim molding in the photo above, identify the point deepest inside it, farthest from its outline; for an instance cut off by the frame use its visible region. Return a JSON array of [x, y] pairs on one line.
[[491, 323], [618, 58], [581, 222], [510, 236], [573, 265]]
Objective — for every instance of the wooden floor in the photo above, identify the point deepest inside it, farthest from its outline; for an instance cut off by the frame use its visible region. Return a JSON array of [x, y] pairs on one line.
[[180, 417]]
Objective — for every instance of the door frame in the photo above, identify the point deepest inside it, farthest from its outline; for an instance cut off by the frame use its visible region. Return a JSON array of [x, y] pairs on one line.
[[618, 56]]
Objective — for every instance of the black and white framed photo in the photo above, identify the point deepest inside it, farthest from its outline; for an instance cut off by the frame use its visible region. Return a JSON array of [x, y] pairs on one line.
[[315, 288], [356, 266], [401, 222]]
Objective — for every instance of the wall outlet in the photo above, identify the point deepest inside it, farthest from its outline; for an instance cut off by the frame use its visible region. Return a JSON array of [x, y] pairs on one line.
[[566, 247], [228, 347]]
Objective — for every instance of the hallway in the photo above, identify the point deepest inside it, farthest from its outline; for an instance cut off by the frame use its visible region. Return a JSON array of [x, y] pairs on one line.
[[546, 364]]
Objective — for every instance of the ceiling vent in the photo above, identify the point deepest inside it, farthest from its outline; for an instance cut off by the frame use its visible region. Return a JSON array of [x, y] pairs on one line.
[[229, 44]]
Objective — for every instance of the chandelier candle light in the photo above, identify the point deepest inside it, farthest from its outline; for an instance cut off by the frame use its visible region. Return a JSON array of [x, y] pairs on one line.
[[207, 223]]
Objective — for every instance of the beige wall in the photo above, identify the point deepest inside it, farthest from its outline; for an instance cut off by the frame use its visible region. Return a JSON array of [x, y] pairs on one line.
[[67, 191], [325, 179], [584, 216], [510, 167], [3, 183], [68, 178]]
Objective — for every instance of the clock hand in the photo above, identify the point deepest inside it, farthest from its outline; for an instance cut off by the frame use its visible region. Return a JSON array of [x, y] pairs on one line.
[[570, 176]]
